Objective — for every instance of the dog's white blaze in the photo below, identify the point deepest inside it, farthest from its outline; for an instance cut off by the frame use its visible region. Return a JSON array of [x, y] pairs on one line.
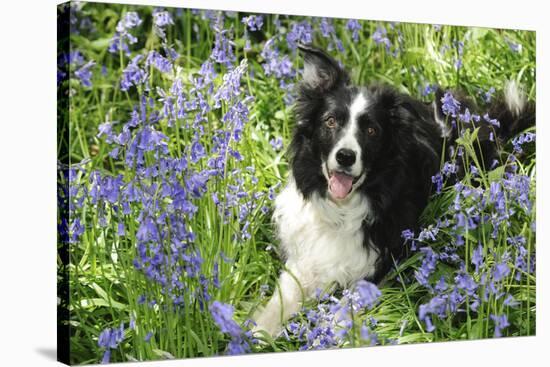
[[349, 136], [323, 244]]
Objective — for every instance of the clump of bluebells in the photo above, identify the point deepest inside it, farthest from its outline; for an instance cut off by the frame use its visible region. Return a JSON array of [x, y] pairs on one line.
[[110, 339], [156, 199], [331, 323], [383, 36], [73, 65], [479, 236], [241, 340]]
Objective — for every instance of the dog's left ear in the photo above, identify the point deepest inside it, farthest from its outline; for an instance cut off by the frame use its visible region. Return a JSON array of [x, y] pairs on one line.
[[321, 72]]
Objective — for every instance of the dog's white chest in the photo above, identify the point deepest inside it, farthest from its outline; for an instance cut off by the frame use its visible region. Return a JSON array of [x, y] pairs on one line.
[[324, 240]]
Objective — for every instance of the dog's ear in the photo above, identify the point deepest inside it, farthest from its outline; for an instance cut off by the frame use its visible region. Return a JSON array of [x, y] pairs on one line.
[[321, 72]]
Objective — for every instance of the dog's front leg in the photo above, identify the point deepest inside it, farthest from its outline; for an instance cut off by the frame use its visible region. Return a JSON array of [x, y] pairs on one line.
[[286, 300]]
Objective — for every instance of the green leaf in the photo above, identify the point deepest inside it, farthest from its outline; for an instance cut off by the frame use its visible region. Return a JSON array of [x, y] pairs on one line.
[[163, 354], [100, 302]]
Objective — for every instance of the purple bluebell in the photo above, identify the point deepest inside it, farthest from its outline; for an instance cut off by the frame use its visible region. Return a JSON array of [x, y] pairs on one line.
[[437, 179], [521, 139], [223, 53], [133, 74], [368, 293], [428, 89], [148, 337], [110, 339], [450, 106], [487, 95], [253, 22], [84, 73], [160, 62], [500, 271], [491, 121], [161, 19], [223, 317], [300, 32], [477, 257], [276, 143], [380, 36], [122, 36], [275, 64], [355, 27], [427, 267], [516, 47], [501, 322]]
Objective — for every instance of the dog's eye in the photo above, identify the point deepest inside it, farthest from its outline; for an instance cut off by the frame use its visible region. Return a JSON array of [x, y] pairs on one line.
[[371, 131], [331, 122]]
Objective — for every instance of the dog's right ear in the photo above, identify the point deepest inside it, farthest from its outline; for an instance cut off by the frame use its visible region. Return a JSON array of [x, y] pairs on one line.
[[321, 72]]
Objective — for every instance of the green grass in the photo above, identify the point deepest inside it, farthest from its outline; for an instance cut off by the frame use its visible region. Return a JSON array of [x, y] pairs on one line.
[[104, 285]]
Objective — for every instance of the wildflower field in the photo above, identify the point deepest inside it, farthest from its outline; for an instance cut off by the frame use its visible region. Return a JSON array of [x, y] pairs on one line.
[[173, 125]]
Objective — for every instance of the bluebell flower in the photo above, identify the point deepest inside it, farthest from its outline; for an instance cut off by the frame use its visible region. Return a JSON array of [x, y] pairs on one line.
[[441, 285], [380, 36], [279, 65], [355, 27], [521, 139], [276, 143], [223, 316], [428, 89], [148, 337], [407, 235], [510, 301], [158, 61], [491, 121], [84, 73], [161, 19], [466, 116], [110, 339], [74, 58], [428, 233], [458, 63], [466, 282], [253, 22], [437, 179], [427, 267], [450, 106], [501, 322], [223, 53], [121, 230], [300, 32], [516, 47], [326, 27], [500, 271], [368, 293], [477, 257], [133, 74], [231, 87], [122, 36], [487, 95]]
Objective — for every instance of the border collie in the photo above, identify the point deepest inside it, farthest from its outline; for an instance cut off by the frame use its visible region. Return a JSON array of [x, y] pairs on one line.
[[362, 161]]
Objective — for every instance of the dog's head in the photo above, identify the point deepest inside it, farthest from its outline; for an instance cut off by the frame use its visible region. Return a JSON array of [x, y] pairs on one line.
[[341, 129]]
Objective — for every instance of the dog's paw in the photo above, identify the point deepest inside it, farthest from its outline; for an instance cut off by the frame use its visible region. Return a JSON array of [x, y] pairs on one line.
[[266, 325]]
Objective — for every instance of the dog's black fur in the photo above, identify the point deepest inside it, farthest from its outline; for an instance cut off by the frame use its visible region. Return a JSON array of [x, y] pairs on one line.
[[399, 161]]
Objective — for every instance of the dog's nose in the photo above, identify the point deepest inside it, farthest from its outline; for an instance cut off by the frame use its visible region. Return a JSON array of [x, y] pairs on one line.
[[345, 157]]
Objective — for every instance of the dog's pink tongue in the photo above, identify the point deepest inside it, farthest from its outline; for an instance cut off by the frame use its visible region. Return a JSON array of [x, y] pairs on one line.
[[340, 185]]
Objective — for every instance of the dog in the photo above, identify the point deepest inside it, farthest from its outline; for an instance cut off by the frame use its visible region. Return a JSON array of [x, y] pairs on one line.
[[361, 165]]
